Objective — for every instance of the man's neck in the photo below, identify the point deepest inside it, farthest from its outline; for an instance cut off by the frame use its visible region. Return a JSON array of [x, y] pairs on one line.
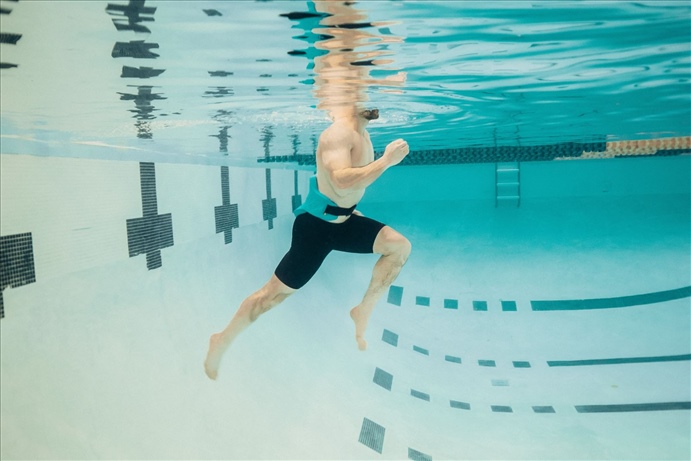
[[354, 122]]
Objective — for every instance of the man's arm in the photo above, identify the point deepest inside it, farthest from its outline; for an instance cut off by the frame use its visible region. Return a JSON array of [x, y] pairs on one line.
[[336, 159]]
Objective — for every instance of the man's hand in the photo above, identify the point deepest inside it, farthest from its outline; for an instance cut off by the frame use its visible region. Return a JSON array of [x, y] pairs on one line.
[[395, 152]]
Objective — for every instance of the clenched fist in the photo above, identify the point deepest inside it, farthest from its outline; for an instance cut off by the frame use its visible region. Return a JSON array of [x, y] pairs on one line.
[[396, 151]]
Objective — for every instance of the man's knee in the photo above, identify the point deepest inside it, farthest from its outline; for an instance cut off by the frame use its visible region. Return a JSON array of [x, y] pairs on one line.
[[403, 249], [390, 242], [268, 297]]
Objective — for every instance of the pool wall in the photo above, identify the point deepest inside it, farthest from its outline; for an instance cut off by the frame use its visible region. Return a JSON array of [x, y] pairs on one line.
[[85, 213], [604, 178], [77, 210]]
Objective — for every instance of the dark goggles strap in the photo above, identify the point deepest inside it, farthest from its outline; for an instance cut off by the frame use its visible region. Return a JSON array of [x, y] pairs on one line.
[[338, 211]]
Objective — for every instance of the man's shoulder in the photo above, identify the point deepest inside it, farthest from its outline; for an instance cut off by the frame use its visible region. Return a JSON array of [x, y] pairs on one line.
[[338, 132]]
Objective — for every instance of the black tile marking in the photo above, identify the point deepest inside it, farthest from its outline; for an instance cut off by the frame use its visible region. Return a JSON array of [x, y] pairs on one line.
[[395, 295], [491, 154], [418, 455], [121, 25], [10, 39], [420, 395], [521, 364], [618, 408], [422, 301], [219, 73], [297, 198], [296, 201], [372, 435], [501, 409], [452, 359], [269, 212], [450, 304], [140, 72], [390, 337], [610, 303], [144, 109], [459, 405], [153, 232], [544, 409], [479, 305], [134, 11], [227, 217], [508, 306], [222, 135], [134, 49], [421, 350], [16, 263], [618, 361], [383, 379], [487, 363]]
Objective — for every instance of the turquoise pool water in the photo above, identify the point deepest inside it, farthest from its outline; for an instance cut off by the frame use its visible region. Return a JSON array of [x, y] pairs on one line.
[[102, 357], [477, 74], [546, 316]]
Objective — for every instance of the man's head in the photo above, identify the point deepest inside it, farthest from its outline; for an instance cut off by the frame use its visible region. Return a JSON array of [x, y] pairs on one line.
[[369, 114]]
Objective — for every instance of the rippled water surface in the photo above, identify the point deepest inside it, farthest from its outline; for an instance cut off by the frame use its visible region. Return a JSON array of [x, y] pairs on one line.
[[249, 79]]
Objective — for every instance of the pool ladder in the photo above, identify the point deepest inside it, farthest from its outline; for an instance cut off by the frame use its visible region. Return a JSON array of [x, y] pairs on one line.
[[507, 184]]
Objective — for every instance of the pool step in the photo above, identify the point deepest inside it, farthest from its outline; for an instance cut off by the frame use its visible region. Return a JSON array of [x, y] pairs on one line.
[[507, 184]]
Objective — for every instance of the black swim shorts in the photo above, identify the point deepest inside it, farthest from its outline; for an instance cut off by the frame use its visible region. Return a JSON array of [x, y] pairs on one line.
[[314, 239]]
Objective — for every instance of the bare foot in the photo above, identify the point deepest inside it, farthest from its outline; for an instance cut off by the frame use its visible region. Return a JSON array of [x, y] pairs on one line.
[[360, 325], [213, 358]]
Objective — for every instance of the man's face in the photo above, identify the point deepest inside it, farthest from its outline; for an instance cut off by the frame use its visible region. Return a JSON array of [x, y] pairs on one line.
[[370, 114]]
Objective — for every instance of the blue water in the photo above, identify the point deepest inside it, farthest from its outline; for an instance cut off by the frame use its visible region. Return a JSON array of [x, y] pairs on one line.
[[100, 349], [477, 74], [133, 225]]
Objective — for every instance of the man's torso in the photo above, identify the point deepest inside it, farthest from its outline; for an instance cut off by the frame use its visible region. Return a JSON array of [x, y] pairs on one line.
[[361, 154]]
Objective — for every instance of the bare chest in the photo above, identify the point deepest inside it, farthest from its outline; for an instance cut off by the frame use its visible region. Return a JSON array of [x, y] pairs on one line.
[[362, 152]]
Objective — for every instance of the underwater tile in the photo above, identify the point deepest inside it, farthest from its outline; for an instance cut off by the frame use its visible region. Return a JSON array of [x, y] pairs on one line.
[[459, 405], [420, 395], [418, 455], [479, 305], [390, 337], [520, 364], [421, 350], [618, 408], [501, 409], [453, 359], [487, 363], [508, 306], [383, 379], [610, 303], [450, 304], [372, 435], [17, 269], [619, 361], [544, 409], [10, 39], [500, 382], [152, 232], [395, 295], [422, 301]]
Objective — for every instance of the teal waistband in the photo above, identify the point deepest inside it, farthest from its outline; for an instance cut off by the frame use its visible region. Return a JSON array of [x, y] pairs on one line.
[[316, 203]]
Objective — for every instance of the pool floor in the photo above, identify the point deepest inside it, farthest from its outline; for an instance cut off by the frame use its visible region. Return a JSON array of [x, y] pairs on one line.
[[107, 363]]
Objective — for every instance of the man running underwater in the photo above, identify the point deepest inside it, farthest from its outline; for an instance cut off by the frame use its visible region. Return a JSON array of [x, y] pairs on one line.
[[328, 221]]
